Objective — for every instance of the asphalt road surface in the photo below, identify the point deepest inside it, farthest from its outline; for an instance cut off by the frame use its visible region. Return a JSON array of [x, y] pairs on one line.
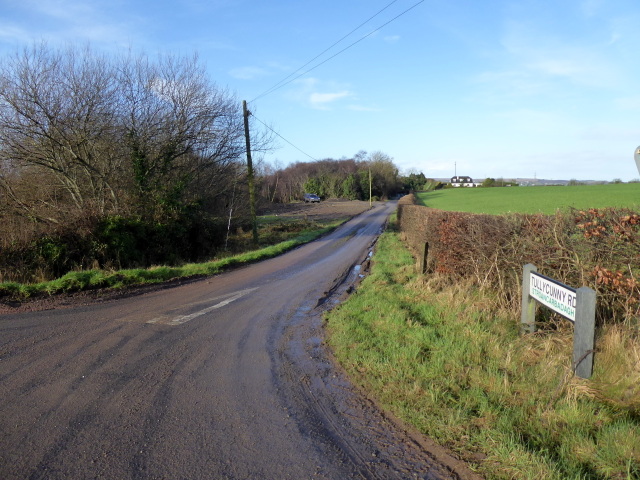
[[223, 378]]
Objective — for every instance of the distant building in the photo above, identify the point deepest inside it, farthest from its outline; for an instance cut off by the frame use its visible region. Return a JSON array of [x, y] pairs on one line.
[[460, 181]]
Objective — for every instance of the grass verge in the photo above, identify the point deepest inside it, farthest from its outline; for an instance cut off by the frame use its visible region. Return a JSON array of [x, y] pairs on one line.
[[443, 359], [95, 279]]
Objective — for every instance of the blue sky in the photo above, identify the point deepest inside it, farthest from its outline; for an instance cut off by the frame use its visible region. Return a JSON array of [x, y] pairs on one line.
[[490, 88]]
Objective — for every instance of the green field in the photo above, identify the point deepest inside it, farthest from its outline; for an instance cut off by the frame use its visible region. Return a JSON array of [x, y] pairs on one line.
[[545, 200]]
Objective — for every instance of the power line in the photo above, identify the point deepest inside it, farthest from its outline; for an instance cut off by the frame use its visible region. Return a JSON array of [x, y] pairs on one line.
[[282, 83], [276, 86], [268, 127]]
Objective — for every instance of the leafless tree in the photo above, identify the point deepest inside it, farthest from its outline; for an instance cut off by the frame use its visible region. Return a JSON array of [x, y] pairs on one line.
[[57, 123], [180, 130], [114, 135]]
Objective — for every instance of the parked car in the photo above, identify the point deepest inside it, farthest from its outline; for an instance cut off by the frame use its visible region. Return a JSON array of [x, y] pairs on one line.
[[311, 197]]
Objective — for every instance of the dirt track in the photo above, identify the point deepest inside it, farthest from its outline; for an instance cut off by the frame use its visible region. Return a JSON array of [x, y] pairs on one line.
[[325, 210]]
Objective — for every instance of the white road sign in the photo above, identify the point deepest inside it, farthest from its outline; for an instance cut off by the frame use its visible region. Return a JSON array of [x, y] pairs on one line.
[[554, 295]]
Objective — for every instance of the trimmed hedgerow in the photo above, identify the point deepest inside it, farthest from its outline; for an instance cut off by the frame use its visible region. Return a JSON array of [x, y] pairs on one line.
[[598, 248]]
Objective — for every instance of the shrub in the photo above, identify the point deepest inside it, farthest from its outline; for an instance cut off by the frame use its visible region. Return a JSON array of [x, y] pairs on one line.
[[111, 242]]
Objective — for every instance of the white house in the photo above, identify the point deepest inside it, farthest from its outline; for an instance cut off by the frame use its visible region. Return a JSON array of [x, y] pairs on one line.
[[460, 181]]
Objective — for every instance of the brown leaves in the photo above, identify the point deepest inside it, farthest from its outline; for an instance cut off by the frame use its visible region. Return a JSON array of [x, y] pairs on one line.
[[618, 282], [623, 225]]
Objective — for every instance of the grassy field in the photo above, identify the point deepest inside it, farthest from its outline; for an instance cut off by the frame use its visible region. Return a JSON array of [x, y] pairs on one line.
[[445, 359], [533, 199]]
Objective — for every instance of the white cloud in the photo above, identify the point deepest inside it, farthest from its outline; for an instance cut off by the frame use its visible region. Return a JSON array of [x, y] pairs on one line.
[[322, 100], [318, 94], [392, 38]]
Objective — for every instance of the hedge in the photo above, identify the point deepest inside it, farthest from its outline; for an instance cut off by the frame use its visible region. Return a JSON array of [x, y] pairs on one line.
[[598, 248]]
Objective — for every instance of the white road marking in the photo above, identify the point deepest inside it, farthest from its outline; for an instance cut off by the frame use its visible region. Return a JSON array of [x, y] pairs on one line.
[[232, 297]]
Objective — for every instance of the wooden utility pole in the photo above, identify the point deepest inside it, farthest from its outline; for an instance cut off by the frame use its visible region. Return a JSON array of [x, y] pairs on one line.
[[252, 188], [370, 188]]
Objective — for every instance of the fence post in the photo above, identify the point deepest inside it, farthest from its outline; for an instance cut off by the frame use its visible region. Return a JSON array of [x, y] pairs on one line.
[[422, 260], [528, 315], [584, 332]]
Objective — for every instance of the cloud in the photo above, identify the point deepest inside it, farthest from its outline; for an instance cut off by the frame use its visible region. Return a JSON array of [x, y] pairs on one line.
[[392, 38], [321, 101], [318, 94]]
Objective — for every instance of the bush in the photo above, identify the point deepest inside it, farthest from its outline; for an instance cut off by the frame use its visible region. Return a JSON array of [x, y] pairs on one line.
[[111, 242]]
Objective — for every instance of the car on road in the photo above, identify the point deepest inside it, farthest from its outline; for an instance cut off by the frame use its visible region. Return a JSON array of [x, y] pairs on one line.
[[311, 197]]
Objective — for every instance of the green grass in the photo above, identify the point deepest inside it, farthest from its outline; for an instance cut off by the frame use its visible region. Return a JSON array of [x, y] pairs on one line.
[[441, 361], [94, 279], [546, 200]]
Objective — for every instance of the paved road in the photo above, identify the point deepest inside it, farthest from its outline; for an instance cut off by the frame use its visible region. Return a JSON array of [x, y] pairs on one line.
[[224, 378]]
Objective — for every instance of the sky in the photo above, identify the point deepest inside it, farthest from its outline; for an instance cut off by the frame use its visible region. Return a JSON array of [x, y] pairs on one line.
[[546, 89]]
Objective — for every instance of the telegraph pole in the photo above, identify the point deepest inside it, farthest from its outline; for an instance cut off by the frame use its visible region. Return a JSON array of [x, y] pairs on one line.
[[370, 197], [252, 188]]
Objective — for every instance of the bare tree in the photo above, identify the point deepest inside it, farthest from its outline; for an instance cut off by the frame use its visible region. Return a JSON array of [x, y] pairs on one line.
[[181, 131], [114, 135], [56, 118]]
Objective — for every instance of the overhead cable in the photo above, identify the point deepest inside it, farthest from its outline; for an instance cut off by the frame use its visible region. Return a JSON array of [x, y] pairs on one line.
[[277, 85], [268, 127], [280, 85]]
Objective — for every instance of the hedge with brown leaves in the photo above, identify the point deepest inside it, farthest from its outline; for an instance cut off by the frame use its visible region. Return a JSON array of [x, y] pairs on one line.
[[598, 248]]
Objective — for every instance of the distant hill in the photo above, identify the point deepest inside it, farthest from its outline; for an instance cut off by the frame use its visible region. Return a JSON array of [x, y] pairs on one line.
[[531, 182]]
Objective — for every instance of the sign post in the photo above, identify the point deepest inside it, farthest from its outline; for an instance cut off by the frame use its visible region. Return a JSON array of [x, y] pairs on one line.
[[528, 316], [578, 306]]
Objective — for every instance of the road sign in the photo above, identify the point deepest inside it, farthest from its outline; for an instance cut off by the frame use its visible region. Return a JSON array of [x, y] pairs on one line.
[[637, 157], [553, 294], [578, 306]]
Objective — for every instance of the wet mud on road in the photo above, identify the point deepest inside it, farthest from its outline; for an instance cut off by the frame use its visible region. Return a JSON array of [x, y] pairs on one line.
[[327, 405]]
